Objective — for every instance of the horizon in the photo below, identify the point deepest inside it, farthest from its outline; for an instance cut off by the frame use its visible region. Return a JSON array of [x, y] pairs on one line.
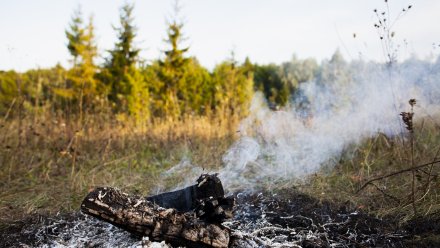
[[306, 30]]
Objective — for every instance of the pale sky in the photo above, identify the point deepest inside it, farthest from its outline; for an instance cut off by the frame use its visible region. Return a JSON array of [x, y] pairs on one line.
[[267, 31]]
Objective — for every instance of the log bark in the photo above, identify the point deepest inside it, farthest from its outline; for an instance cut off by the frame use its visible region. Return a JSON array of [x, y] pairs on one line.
[[144, 218]]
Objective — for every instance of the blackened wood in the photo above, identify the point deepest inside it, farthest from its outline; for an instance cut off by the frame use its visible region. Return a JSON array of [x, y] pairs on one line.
[[139, 216], [187, 199], [206, 198], [215, 210]]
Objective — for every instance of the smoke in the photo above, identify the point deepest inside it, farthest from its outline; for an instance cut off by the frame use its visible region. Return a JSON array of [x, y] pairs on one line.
[[185, 171], [353, 102], [344, 105]]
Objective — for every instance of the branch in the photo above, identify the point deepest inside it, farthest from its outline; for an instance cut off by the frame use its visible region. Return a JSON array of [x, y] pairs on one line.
[[396, 173]]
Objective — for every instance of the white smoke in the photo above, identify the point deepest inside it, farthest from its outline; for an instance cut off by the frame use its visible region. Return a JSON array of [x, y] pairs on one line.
[[296, 141], [355, 102]]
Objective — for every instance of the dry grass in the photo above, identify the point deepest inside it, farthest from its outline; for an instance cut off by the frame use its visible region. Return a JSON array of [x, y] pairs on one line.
[[381, 155], [48, 164]]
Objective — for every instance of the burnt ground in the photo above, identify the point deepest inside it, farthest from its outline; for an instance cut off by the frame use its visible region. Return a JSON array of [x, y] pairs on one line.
[[261, 220]]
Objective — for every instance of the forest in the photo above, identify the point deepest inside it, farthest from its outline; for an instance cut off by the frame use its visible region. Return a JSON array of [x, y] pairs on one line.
[[171, 87]]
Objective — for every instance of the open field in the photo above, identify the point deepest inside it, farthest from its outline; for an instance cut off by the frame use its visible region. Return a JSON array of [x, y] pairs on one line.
[[49, 165]]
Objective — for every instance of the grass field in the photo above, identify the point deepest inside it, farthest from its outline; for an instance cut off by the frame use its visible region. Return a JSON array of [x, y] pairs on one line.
[[48, 164]]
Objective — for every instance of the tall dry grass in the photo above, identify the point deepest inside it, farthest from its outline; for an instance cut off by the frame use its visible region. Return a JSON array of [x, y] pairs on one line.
[[49, 163], [401, 195]]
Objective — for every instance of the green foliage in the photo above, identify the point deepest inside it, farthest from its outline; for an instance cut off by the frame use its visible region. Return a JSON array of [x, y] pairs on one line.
[[175, 86], [75, 35], [195, 91], [81, 85], [172, 71], [138, 99], [298, 71], [268, 80], [233, 87], [44, 87], [8, 90], [180, 84], [126, 85], [33, 89]]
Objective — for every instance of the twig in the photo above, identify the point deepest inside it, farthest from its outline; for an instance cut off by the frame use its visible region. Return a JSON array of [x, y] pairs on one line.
[[413, 182], [9, 109], [385, 193], [428, 180], [395, 173]]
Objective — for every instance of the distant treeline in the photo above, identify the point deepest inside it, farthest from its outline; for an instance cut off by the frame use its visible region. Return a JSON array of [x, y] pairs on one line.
[[171, 87]]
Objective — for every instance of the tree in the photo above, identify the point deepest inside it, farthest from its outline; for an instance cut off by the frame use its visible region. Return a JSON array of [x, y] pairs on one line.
[[233, 87], [127, 87], [268, 80], [173, 67], [196, 92], [81, 85], [334, 71], [75, 35], [297, 71]]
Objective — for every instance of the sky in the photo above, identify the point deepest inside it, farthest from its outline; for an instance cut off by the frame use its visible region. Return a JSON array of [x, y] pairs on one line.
[[32, 33]]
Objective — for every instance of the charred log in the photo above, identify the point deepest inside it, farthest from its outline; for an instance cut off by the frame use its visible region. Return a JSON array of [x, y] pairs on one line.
[[206, 198], [188, 217], [141, 217], [187, 199]]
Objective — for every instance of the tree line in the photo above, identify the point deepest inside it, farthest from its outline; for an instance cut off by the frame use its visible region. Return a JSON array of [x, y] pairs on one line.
[[173, 86]]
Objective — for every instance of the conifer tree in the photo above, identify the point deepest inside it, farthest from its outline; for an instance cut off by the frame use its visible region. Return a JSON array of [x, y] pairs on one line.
[[127, 87], [75, 35], [173, 67], [81, 85]]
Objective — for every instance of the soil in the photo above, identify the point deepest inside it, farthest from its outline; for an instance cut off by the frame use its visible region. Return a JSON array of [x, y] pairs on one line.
[[261, 220]]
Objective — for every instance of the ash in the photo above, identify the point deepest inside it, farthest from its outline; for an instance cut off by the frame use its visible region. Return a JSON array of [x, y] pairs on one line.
[[72, 230], [260, 220], [301, 221]]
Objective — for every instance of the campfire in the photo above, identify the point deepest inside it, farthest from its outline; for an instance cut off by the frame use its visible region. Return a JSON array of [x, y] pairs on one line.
[[189, 217], [202, 216]]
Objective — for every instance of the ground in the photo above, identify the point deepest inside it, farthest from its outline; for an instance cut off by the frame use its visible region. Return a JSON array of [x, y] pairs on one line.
[[286, 219]]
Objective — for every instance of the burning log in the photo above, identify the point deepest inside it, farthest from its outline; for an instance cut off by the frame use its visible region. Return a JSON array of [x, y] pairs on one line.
[[189, 217]]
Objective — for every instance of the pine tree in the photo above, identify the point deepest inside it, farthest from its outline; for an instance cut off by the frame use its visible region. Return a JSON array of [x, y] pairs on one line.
[[75, 35], [172, 69], [81, 85], [127, 87]]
